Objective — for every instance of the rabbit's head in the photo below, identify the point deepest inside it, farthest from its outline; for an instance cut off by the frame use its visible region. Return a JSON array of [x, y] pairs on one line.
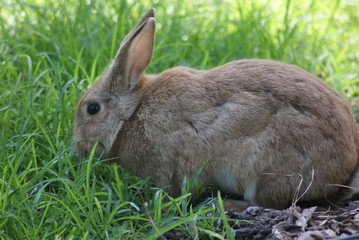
[[112, 100]]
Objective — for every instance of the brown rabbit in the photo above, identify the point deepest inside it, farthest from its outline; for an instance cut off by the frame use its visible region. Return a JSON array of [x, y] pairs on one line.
[[264, 126]]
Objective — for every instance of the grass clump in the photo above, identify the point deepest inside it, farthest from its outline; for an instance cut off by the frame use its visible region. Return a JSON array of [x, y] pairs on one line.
[[50, 51]]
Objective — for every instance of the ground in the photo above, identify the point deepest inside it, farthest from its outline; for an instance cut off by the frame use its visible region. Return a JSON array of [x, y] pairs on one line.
[[255, 223]]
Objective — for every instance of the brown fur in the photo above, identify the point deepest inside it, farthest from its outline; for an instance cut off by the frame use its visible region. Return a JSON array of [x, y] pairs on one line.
[[262, 124]]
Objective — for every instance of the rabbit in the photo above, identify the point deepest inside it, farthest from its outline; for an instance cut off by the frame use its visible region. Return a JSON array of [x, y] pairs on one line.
[[269, 130]]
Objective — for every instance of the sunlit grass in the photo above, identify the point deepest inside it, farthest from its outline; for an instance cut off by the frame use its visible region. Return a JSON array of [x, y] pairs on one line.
[[50, 51]]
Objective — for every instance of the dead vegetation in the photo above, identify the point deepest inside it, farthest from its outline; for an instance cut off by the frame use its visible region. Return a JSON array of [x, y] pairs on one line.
[[296, 223], [314, 223]]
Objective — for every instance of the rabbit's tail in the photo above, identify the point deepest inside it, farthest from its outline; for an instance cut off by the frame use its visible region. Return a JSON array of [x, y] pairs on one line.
[[354, 183]]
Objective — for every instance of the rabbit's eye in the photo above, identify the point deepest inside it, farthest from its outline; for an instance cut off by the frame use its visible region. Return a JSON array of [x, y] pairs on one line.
[[93, 108]]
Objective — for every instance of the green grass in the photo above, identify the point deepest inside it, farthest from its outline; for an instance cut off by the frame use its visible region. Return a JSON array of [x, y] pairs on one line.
[[50, 51]]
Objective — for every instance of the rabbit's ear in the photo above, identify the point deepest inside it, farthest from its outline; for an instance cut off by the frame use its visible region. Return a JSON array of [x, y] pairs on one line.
[[133, 56], [150, 13]]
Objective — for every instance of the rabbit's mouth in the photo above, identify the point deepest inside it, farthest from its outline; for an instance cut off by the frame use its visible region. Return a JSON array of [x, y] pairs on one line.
[[85, 148], [81, 149]]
